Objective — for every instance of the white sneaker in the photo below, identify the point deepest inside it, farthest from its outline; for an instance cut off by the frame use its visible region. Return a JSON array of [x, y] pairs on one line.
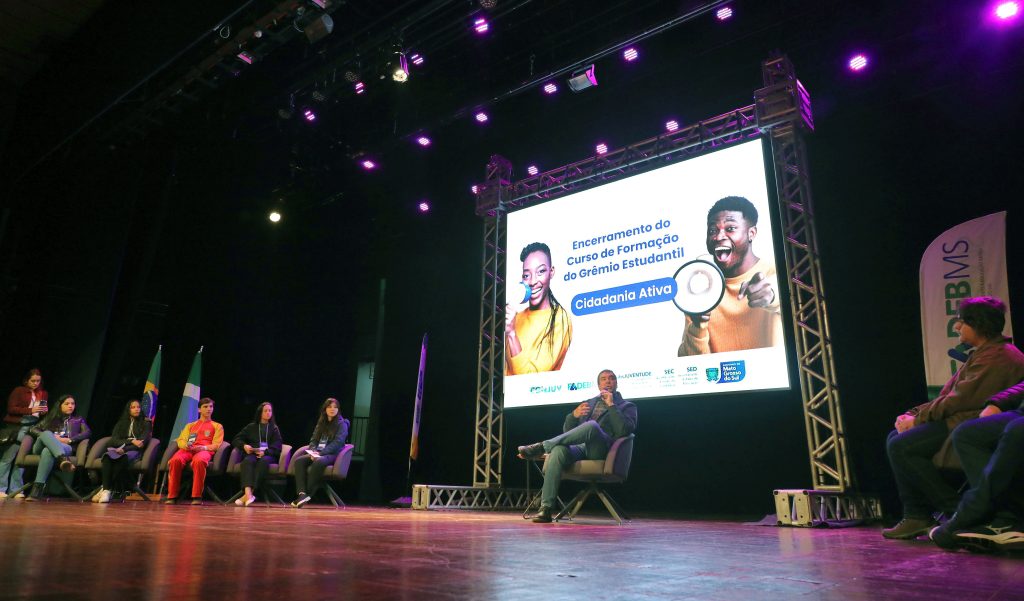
[[104, 496], [3, 495], [240, 502], [96, 497], [250, 500], [20, 495]]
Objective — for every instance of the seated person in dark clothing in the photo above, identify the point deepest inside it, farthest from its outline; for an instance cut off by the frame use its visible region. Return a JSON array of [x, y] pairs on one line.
[[924, 431], [991, 450], [588, 432], [260, 444]]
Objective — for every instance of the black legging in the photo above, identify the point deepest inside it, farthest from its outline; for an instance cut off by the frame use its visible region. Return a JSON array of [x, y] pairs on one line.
[[113, 468], [309, 472], [254, 470]]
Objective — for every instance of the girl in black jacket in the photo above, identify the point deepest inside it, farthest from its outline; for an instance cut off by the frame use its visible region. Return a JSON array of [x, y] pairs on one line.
[[57, 436], [127, 443], [327, 441], [261, 443]]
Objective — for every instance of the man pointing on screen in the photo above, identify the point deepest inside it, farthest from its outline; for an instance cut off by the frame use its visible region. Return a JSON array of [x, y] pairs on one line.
[[748, 316], [587, 433]]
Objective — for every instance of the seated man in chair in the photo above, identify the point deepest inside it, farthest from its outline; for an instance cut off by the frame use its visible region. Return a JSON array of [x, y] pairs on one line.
[[197, 444], [924, 431], [587, 433]]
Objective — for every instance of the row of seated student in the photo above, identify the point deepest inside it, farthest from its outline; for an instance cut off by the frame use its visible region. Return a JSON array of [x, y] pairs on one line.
[[57, 433]]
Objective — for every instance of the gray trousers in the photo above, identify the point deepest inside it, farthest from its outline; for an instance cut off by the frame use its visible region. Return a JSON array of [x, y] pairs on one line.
[[585, 441]]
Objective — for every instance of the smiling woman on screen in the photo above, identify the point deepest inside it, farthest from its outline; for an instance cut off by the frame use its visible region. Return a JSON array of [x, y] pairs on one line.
[[537, 335]]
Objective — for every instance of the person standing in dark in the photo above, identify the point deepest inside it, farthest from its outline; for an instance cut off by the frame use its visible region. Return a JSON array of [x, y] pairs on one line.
[[25, 406], [587, 433], [922, 432], [127, 442], [260, 442], [327, 440]]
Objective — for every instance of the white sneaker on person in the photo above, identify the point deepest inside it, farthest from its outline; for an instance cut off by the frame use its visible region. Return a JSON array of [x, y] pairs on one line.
[[249, 501], [96, 497], [20, 495], [3, 495], [240, 502], [104, 496]]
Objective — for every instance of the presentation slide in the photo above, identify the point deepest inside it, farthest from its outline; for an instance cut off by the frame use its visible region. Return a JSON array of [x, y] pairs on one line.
[[668, 278]]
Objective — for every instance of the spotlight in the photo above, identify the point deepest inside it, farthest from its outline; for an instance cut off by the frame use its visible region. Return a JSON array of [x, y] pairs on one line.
[[481, 117], [423, 141], [401, 70], [424, 206], [601, 148], [368, 164], [319, 28], [480, 25], [274, 216], [723, 14], [475, 189], [630, 54], [550, 88], [416, 59], [857, 63], [360, 87], [532, 170], [488, 4], [1007, 10], [309, 115], [246, 57], [671, 125], [582, 79]]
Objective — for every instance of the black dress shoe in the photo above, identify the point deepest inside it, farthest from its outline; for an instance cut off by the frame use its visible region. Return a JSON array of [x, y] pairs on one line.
[[543, 516], [532, 451], [36, 494]]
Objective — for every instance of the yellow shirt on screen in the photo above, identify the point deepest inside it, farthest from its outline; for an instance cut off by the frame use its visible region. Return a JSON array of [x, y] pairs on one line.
[[539, 352]]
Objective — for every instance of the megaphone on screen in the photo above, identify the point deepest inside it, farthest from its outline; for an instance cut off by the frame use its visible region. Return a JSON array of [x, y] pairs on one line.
[[700, 286]]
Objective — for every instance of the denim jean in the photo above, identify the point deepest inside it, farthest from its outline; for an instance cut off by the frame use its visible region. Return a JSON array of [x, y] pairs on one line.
[[8, 471], [48, 448], [991, 450], [922, 488], [585, 441]]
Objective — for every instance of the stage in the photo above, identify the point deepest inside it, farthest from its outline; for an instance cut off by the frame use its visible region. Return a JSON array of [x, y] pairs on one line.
[[65, 550]]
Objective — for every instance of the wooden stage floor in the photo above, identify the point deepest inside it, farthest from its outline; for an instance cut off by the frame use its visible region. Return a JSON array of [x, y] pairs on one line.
[[138, 551]]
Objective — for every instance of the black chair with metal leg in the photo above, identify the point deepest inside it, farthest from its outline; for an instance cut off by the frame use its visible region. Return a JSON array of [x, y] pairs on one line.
[[25, 458], [278, 471]]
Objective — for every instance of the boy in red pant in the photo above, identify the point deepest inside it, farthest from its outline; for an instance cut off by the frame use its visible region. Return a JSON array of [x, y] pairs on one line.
[[197, 443]]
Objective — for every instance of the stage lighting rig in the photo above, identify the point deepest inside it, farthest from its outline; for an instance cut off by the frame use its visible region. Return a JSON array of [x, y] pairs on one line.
[[582, 79], [400, 69]]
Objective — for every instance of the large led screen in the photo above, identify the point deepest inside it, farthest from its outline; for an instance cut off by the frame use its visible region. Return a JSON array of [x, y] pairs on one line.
[[669, 278]]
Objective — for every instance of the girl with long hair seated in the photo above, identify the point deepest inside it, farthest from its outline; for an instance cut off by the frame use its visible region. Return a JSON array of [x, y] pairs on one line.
[[327, 441], [538, 337], [260, 442], [127, 443], [25, 406], [56, 438]]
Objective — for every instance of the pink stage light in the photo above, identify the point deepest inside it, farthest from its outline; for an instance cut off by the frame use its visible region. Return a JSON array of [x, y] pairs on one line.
[[671, 125], [857, 63], [309, 115], [532, 170], [723, 14], [423, 141], [360, 88], [1007, 10], [481, 26], [416, 59], [550, 88], [481, 117], [475, 189], [601, 148], [630, 54], [246, 57], [368, 164], [424, 206]]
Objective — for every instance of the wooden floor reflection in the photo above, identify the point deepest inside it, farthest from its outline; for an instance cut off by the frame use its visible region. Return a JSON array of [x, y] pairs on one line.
[[64, 550]]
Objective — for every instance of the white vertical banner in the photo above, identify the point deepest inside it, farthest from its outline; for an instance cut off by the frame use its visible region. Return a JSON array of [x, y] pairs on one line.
[[966, 260]]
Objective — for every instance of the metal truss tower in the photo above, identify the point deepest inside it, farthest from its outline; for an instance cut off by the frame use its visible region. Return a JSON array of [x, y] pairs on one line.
[[781, 112]]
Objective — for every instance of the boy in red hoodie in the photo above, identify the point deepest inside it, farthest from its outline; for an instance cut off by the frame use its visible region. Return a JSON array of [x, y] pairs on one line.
[[197, 443]]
